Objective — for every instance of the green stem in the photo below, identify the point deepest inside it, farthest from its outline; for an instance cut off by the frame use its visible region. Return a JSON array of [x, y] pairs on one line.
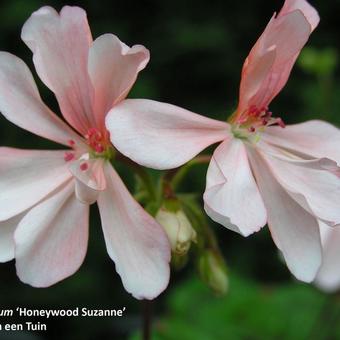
[[207, 238], [141, 172], [147, 319], [177, 175]]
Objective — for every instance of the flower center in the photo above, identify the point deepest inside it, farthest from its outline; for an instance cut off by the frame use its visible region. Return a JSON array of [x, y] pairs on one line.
[[95, 140], [99, 147], [99, 143], [251, 122]]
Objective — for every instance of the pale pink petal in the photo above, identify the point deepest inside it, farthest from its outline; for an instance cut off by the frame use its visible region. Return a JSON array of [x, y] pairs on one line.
[[273, 84], [308, 182], [328, 277], [90, 178], [89, 171], [294, 231], [60, 46], [113, 68], [159, 135], [315, 137], [7, 229], [27, 176], [231, 196], [134, 240], [51, 240], [85, 194], [255, 71], [308, 11], [21, 104], [286, 35]]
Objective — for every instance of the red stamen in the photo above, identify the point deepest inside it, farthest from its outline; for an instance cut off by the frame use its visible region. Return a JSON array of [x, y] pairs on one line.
[[71, 142], [99, 148], [95, 140], [68, 156], [254, 118], [84, 166]]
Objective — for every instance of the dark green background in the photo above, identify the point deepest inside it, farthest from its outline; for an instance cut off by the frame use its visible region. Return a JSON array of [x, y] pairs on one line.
[[197, 50]]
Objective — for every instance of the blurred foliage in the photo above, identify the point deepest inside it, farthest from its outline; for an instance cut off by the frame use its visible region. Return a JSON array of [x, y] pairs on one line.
[[321, 63], [250, 311], [197, 51], [321, 95]]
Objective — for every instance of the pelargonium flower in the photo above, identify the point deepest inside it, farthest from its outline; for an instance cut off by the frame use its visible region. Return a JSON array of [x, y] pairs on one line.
[[262, 172], [45, 195]]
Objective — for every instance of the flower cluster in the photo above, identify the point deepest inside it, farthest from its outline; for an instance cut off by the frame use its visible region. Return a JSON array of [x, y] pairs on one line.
[[262, 172], [45, 195]]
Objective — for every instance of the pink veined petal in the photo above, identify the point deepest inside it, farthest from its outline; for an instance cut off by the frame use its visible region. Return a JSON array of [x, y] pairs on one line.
[[51, 240], [274, 83], [159, 135], [286, 35], [113, 69], [60, 46], [254, 73], [231, 196], [27, 176], [21, 104], [308, 182], [90, 178], [294, 231], [328, 277], [7, 229], [315, 137], [308, 11], [134, 240]]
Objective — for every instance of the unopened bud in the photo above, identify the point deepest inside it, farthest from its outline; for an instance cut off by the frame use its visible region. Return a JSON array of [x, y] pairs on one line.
[[213, 272], [178, 228]]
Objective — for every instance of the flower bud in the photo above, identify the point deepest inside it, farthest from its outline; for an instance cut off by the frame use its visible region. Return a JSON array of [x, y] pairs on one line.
[[213, 271], [178, 228]]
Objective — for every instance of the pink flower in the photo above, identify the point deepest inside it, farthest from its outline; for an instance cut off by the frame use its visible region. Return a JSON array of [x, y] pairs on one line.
[[328, 276], [45, 194], [262, 172]]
